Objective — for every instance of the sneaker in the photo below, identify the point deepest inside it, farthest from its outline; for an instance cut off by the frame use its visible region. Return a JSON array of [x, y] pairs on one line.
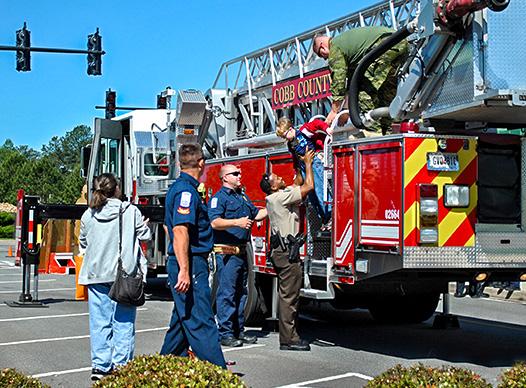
[[327, 227], [301, 345], [231, 342], [248, 339], [97, 374]]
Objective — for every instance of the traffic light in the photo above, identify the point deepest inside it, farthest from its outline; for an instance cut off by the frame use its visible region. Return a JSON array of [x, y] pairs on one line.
[[95, 57], [161, 102], [23, 56], [111, 98]]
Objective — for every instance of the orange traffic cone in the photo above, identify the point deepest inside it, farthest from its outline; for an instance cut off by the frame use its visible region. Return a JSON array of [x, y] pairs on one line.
[[10, 251]]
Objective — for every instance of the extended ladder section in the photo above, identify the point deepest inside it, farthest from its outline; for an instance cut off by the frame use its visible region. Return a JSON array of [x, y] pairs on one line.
[[243, 88]]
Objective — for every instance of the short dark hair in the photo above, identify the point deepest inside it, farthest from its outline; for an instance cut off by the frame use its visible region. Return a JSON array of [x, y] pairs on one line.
[[264, 183], [190, 155]]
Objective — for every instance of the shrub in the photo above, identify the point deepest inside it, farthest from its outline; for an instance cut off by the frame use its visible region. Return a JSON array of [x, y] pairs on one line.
[[514, 377], [11, 378], [423, 376], [7, 219], [7, 231], [170, 371]]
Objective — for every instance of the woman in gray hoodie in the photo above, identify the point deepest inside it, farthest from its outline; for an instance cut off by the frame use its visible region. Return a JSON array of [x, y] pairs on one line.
[[112, 324]]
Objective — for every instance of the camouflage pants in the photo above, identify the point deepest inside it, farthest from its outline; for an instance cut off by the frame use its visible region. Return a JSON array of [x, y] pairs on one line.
[[378, 88]]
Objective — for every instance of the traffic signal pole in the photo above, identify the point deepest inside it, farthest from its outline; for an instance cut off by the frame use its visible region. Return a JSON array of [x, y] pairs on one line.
[[24, 49]]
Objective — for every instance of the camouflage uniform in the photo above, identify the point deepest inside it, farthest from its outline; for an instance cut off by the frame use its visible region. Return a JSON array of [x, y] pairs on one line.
[[378, 87]]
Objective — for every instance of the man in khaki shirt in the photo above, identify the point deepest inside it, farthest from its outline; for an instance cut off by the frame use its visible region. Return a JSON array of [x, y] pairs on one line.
[[283, 212]]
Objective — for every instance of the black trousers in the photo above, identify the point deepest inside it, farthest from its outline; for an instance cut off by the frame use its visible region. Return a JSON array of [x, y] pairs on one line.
[[290, 281]]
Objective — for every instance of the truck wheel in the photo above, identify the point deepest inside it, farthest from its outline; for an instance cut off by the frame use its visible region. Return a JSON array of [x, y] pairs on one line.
[[405, 309], [259, 294]]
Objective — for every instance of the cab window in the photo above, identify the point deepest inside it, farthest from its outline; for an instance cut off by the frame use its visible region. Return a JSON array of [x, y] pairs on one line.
[[158, 167]]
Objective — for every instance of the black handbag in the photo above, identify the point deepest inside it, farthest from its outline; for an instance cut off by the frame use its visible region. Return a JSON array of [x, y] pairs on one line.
[[127, 289]]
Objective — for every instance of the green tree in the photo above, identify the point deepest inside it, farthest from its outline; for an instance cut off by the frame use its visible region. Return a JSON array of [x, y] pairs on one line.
[[64, 151], [53, 174]]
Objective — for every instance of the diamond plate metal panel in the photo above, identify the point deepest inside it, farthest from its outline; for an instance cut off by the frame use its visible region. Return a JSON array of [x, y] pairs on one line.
[[157, 139], [491, 250], [457, 88], [491, 62], [317, 249], [505, 59]]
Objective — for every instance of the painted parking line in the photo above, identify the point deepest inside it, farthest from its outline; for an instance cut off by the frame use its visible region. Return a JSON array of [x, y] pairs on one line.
[[71, 338], [51, 316], [85, 369], [330, 378], [244, 347], [39, 290], [62, 372], [18, 281]]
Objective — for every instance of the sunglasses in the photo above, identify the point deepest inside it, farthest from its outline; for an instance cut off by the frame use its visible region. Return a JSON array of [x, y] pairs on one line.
[[235, 173]]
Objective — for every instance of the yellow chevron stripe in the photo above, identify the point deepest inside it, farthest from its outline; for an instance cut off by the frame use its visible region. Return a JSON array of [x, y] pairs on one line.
[[410, 217], [455, 217], [418, 159], [471, 241]]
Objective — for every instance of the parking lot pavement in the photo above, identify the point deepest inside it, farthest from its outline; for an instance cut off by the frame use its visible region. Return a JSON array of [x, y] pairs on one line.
[[348, 347]]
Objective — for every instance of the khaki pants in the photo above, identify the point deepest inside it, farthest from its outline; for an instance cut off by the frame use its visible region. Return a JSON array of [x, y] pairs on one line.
[[290, 280]]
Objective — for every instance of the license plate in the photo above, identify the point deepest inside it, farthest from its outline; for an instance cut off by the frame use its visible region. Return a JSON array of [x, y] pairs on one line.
[[442, 162]]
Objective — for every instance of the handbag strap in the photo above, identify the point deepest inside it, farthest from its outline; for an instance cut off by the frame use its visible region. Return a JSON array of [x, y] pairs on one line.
[[120, 236], [121, 211]]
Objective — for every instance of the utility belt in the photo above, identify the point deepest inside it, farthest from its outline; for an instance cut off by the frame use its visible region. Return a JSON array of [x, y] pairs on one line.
[[291, 244], [224, 249]]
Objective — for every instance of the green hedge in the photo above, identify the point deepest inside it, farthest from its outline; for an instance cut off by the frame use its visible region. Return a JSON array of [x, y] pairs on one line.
[[514, 377], [11, 378], [7, 219], [170, 371], [423, 376], [7, 225], [7, 231]]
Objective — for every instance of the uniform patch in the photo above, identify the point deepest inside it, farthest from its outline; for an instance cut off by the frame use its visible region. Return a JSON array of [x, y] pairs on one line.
[[183, 210], [213, 203], [186, 198]]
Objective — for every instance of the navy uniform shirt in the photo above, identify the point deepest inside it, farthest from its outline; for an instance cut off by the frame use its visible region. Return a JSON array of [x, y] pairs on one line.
[[184, 206], [229, 204]]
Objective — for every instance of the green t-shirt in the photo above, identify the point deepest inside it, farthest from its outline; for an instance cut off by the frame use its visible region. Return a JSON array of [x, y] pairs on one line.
[[346, 51]]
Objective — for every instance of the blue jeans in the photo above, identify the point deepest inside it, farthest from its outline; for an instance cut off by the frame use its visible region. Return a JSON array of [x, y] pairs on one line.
[[111, 328], [192, 323], [316, 197], [232, 272]]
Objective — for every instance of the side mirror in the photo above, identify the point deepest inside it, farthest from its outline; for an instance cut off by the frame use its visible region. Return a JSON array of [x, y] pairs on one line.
[[85, 154]]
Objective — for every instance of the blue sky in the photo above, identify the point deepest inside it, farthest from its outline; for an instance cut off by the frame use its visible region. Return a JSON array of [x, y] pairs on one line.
[[149, 45]]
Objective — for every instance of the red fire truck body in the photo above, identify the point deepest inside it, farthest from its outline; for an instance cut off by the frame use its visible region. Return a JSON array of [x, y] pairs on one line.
[[441, 199]]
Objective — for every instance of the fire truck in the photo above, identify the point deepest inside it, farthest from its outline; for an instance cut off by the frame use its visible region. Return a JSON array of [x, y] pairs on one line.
[[440, 199]]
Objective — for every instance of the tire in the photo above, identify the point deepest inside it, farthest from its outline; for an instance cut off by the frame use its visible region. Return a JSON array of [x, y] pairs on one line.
[[258, 297], [405, 309]]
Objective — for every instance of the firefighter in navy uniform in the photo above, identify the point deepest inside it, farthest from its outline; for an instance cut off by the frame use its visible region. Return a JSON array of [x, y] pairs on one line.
[[283, 212], [232, 213], [192, 323]]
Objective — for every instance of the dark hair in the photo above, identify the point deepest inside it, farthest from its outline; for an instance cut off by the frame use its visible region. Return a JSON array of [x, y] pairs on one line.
[[104, 186], [190, 155], [264, 183]]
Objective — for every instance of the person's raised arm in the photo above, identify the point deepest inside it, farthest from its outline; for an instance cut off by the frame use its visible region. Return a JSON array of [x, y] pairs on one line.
[[181, 244], [308, 184]]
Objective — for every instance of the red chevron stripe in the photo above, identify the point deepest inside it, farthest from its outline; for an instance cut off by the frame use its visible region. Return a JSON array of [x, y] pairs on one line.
[[411, 145], [411, 238], [463, 233]]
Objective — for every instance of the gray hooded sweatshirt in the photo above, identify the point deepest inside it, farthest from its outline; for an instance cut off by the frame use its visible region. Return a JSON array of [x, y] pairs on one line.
[[99, 236]]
